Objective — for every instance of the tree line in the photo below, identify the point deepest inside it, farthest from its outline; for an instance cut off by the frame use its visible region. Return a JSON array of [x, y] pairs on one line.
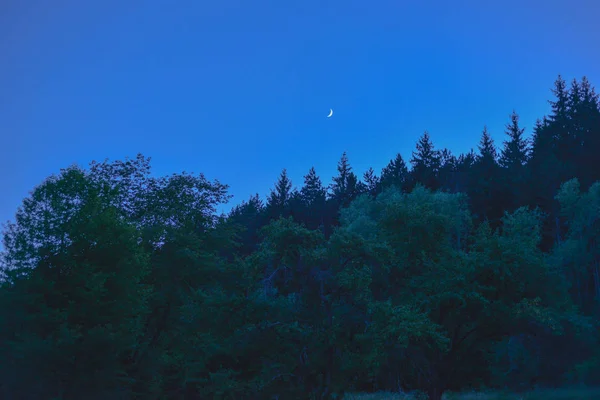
[[441, 274]]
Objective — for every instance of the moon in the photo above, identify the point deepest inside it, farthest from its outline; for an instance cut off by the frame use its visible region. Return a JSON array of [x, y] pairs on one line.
[[330, 113]]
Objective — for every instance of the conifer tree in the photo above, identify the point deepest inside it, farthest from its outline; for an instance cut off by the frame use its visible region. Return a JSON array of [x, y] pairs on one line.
[[312, 197], [313, 191], [586, 116], [464, 166], [344, 185], [425, 163], [448, 171], [513, 159], [487, 151], [249, 215], [395, 173], [560, 105], [515, 153], [279, 198], [372, 182], [485, 175], [553, 159]]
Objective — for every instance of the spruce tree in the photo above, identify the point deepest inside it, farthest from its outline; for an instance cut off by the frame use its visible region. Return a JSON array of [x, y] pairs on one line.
[[560, 104], [279, 198], [339, 185], [344, 186], [395, 173], [513, 160], [515, 152], [372, 181], [448, 171], [312, 197], [313, 191], [484, 185], [249, 216], [487, 150], [425, 163], [586, 118]]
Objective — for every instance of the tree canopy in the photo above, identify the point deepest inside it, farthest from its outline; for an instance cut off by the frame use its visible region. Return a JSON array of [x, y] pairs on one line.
[[480, 270]]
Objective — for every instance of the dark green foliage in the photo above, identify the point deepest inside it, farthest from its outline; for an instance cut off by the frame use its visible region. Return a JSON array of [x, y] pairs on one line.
[[513, 161], [476, 270], [249, 216], [425, 163], [278, 203], [75, 300], [312, 198], [372, 182], [395, 173], [343, 188], [484, 188]]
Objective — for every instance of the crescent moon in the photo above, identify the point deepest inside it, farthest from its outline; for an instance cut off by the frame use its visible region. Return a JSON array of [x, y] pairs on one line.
[[330, 113]]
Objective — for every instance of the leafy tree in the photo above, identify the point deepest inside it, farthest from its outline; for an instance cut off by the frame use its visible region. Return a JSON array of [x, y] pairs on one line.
[[115, 283], [75, 292], [579, 250], [431, 261]]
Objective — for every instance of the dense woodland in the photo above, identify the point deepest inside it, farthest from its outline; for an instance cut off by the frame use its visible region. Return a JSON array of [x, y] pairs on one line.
[[441, 273]]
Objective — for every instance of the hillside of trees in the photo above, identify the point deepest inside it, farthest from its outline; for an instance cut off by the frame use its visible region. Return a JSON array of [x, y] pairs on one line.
[[441, 273]]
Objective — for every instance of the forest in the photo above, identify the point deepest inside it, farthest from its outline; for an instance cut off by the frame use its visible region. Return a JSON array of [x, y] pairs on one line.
[[439, 274]]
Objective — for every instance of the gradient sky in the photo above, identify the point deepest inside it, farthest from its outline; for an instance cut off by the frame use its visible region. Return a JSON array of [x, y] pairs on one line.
[[239, 90]]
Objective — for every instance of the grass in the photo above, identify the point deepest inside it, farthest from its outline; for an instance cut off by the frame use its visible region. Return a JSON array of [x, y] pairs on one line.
[[548, 394]]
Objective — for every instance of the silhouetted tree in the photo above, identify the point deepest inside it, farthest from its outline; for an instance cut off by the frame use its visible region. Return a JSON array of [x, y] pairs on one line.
[[513, 161], [279, 198], [425, 163], [372, 182], [485, 178], [395, 173], [313, 197]]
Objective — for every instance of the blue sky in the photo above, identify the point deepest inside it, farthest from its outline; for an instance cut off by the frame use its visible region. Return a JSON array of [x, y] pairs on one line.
[[239, 90]]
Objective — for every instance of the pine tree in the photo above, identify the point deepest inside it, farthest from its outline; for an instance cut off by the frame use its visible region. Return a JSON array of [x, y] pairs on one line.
[[487, 150], [425, 163], [464, 168], [278, 201], [312, 197], [249, 215], [339, 186], [395, 173], [586, 117], [553, 159], [485, 175], [344, 185], [372, 182], [560, 105], [515, 153], [313, 191], [513, 160], [448, 171]]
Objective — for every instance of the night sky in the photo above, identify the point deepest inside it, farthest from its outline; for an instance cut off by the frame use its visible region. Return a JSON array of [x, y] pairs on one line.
[[239, 90]]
